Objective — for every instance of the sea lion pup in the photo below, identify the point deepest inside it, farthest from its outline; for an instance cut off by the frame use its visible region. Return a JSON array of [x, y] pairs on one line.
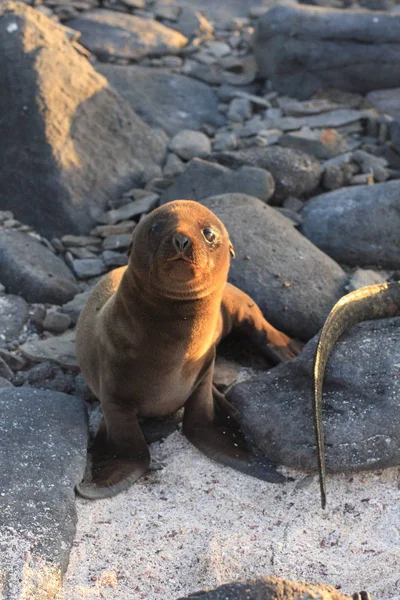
[[370, 302], [146, 345]]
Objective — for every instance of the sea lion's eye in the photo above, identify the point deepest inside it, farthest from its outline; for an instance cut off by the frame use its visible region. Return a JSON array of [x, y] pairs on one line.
[[155, 228], [209, 234]]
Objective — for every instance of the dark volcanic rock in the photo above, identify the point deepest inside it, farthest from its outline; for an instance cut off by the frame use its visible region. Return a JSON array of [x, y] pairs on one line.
[[109, 33], [361, 408], [70, 144], [43, 453], [293, 282], [29, 269], [202, 178], [302, 49], [269, 588], [164, 99], [358, 226], [295, 173], [13, 316]]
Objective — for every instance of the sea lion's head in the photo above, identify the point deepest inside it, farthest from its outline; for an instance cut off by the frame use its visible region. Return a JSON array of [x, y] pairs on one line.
[[181, 250]]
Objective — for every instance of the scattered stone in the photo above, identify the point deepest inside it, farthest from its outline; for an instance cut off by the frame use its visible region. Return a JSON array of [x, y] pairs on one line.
[[4, 383], [269, 588], [334, 119], [114, 259], [332, 48], [13, 361], [333, 177], [29, 269], [243, 72], [295, 173], [83, 145], [225, 373], [174, 166], [202, 178], [43, 454], [294, 108], [56, 322], [86, 267], [239, 110], [59, 350], [83, 252], [357, 226], [119, 241], [13, 316], [80, 241], [395, 134], [130, 210], [192, 23], [74, 307], [293, 204], [5, 371], [294, 283], [104, 231], [386, 101], [371, 163], [169, 12], [361, 415], [225, 141], [164, 99], [187, 144], [107, 33], [322, 144], [362, 277], [47, 376]]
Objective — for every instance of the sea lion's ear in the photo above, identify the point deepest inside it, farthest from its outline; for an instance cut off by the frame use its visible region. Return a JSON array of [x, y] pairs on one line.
[[129, 250], [231, 249]]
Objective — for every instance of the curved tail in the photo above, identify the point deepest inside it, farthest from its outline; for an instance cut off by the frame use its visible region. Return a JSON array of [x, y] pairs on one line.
[[370, 302]]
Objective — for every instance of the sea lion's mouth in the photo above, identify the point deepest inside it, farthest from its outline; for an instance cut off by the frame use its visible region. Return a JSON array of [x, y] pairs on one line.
[[178, 258]]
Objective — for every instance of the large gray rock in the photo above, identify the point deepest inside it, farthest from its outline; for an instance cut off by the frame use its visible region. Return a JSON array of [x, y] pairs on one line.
[[29, 269], [13, 316], [109, 33], [221, 11], [295, 173], [42, 454], [358, 226], [164, 99], [202, 178], [302, 49], [293, 282], [69, 142], [269, 588], [361, 403]]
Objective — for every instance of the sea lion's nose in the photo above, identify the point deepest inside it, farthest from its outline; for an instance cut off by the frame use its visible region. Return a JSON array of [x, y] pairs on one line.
[[181, 242]]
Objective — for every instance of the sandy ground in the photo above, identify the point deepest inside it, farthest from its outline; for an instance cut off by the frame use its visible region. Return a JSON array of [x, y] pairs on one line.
[[196, 524]]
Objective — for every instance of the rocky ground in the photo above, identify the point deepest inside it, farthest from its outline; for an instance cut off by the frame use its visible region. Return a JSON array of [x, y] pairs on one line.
[[114, 107]]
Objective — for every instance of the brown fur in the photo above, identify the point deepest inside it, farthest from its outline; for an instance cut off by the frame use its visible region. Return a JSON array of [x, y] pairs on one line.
[[146, 344]]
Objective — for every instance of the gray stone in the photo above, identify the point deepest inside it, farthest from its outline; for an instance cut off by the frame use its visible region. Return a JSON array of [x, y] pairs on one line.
[[119, 241], [56, 322], [5, 371], [83, 145], [104, 231], [333, 177], [295, 173], [29, 269], [80, 241], [225, 141], [47, 376], [386, 101], [174, 166], [114, 259], [59, 350], [74, 307], [395, 134], [4, 383], [43, 454], [269, 588], [188, 144], [84, 268], [336, 118], [14, 361], [294, 283], [220, 12], [302, 49], [362, 277], [130, 210], [243, 72], [294, 108], [369, 162], [239, 110], [164, 99], [108, 33], [13, 316], [202, 178], [361, 409], [192, 23], [322, 144], [357, 226]]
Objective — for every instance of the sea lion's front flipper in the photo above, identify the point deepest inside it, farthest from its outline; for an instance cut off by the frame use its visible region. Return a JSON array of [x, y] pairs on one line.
[[119, 455], [210, 423]]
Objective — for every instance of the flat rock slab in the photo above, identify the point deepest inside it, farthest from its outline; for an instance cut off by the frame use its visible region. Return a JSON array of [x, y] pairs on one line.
[[358, 225], [302, 49], [43, 437], [295, 173], [108, 33], [13, 316], [82, 145], [164, 99], [58, 349], [202, 178], [218, 11], [361, 411], [269, 588], [293, 282], [29, 269]]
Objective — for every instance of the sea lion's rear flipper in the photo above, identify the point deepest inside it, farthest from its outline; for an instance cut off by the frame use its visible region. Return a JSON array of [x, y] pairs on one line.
[[240, 312], [210, 423], [118, 457]]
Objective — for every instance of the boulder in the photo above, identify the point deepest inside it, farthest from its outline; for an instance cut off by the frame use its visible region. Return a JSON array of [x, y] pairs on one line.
[[43, 454], [164, 99], [202, 178], [358, 226], [13, 316], [302, 49], [110, 33], [29, 269], [295, 173], [70, 144], [361, 411], [293, 282]]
